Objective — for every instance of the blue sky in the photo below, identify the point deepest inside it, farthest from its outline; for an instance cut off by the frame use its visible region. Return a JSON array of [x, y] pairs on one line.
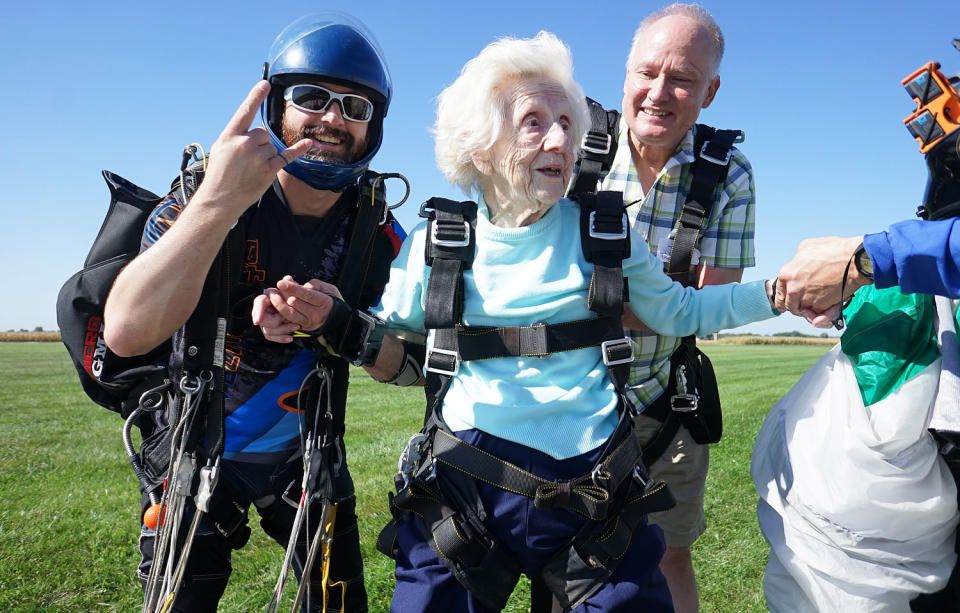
[[124, 86]]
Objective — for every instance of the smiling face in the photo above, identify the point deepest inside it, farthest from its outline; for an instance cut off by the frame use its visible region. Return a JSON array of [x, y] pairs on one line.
[[527, 169], [335, 138], [670, 78]]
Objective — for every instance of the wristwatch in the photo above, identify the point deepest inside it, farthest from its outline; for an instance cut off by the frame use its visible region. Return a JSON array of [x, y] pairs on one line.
[[861, 259]]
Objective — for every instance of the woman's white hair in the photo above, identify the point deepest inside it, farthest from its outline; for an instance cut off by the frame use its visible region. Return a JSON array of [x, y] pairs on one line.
[[471, 111]]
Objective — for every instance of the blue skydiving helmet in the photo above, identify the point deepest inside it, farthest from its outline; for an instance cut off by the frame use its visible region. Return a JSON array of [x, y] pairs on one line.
[[335, 48]]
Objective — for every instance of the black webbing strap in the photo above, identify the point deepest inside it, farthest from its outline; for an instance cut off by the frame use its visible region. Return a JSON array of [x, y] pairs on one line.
[[448, 250], [450, 246], [676, 406], [576, 572], [605, 240], [598, 148], [711, 149], [448, 523], [371, 214], [589, 495], [199, 345], [538, 340], [669, 424]]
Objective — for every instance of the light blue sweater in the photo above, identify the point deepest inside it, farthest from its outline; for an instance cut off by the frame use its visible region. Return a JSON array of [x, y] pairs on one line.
[[565, 404]]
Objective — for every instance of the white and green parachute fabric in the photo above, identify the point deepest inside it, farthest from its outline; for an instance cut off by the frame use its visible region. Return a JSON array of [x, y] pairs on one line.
[[858, 507]]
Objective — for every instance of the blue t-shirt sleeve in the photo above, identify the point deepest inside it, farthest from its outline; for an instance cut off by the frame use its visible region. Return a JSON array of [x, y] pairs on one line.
[[401, 305], [919, 256], [671, 309]]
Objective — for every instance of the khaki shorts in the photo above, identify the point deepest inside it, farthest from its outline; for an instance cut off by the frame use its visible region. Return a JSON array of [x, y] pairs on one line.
[[683, 466]]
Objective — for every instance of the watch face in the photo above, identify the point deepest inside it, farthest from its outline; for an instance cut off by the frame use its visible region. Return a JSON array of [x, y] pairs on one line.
[[864, 265]]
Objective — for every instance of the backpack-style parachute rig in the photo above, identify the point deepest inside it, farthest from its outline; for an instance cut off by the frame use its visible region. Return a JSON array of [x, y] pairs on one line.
[[175, 393]]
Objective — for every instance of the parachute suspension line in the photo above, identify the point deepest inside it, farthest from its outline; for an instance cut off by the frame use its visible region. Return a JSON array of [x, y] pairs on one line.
[[310, 448], [323, 539], [209, 475], [176, 490]]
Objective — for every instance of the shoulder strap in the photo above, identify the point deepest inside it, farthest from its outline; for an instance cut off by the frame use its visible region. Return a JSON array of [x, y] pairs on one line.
[[370, 216], [198, 347], [597, 150], [605, 240], [449, 250], [711, 150]]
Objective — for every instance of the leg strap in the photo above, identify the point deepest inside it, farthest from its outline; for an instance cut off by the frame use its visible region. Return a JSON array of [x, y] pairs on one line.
[[589, 495], [456, 534]]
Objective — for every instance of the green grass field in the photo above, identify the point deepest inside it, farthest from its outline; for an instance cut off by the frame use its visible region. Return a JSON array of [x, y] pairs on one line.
[[69, 501]]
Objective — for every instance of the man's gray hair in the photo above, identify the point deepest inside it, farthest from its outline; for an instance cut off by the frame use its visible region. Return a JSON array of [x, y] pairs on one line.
[[472, 111], [693, 11]]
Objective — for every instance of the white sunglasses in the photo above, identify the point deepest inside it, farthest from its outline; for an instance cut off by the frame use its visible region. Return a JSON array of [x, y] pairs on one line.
[[316, 99]]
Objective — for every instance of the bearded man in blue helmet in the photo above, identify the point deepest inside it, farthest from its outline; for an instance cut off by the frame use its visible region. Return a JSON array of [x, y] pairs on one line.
[[294, 185]]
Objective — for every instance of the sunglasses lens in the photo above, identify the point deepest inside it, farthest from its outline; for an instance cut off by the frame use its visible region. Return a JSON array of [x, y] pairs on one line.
[[314, 99], [357, 108]]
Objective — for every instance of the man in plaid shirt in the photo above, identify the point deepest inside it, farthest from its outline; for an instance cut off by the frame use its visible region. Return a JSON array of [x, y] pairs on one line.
[[671, 76]]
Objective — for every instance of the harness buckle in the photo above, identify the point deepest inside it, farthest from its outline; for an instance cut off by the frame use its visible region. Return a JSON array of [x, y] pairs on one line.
[[596, 142], [622, 347], [638, 477], [431, 471], [683, 402], [290, 495], [608, 236], [209, 476], [369, 325], [410, 457], [599, 472], [714, 160], [440, 370], [458, 233]]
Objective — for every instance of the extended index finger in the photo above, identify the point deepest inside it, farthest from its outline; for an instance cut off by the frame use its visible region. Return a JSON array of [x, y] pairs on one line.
[[241, 120]]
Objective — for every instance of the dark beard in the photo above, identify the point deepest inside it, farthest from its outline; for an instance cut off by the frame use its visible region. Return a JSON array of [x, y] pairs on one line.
[[351, 152]]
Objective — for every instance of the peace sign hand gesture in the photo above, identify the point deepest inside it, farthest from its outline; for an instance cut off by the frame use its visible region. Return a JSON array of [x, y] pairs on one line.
[[243, 162]]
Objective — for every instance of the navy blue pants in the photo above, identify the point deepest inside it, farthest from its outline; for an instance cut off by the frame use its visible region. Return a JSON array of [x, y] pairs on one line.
[[532, 535]]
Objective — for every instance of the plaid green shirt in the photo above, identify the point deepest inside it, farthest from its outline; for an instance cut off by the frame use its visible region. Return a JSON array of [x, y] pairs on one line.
[[725, 241]]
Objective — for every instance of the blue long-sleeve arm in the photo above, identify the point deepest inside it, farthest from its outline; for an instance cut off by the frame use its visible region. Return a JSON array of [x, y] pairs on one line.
[[919, 256]]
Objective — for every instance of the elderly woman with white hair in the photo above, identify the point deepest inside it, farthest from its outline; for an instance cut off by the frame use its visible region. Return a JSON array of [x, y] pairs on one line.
[[527, 462]]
